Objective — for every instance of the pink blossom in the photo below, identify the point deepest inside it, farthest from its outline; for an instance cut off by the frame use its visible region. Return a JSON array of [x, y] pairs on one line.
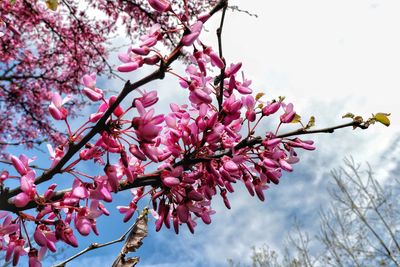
[[143, 50], [4, 175], [127, 210], [45, 238], [135, 151], [79, 190], [147, 125], [112, 177], [271, 108], [21, 164], [65, 233], [130, 210], [55, 155], [297, 142], [289, 114], [215, 59], [160, 5], [195, 31], [99, 190], [147, 99], [170, 181], [56, 109], [128, 67], [34, 258], [233, 69], [28, 190], [249, 102], [15, 249], [152, 37], [92, 152], [90, 90], [8, 226], [85, 220], [118, 111]]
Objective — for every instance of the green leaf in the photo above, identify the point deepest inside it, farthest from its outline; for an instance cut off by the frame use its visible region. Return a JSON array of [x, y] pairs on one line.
[[311, 122], [259, 95], [296, 119], [382, 118], [348, 115]]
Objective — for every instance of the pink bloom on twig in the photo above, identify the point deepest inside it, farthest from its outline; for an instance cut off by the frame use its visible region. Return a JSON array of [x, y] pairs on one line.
[[15, 249], [289, 114], [56, 109], [195, 31], [45, 238], [160, 5], [28, 188], [21, 164], [90, 90]]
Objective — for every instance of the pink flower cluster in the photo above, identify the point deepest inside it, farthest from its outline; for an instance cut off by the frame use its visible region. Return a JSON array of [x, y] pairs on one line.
[[196, 152]]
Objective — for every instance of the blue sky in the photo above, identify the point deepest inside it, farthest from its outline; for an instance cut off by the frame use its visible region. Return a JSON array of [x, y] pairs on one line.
[[329, 58]]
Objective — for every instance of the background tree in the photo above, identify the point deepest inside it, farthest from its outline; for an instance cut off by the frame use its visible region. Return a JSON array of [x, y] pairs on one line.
[[361, 227], [44, 51]]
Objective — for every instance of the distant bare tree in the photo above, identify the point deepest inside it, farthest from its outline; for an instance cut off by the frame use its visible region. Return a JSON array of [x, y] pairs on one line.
[[360, 228]]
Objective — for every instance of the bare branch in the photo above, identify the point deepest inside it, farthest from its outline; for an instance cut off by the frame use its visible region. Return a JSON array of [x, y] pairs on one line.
[[94, 246]]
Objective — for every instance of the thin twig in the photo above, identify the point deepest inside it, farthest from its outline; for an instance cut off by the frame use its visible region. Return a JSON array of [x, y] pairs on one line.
[[220, 93], [32, 166], [303, 131], [94, 246], [37, 142]]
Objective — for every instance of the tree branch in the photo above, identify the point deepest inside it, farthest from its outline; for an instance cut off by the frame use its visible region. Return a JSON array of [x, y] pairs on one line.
[[220, 93], [153, 179], [37, 142]]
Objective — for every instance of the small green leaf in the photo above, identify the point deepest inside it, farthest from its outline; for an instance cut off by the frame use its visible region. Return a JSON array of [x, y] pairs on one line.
[[259, 95], [311, 122], [348, 115], [382, 118], [296, 119]]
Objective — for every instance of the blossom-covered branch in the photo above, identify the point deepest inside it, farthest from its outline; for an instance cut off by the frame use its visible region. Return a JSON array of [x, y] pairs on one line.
[[179, 161]]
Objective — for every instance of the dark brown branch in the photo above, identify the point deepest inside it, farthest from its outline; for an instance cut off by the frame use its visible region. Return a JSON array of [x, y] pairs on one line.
[[153, 179], [220, 92]]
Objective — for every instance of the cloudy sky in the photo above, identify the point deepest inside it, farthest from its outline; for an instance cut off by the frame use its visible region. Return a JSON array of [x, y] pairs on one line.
[[328, 58]]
